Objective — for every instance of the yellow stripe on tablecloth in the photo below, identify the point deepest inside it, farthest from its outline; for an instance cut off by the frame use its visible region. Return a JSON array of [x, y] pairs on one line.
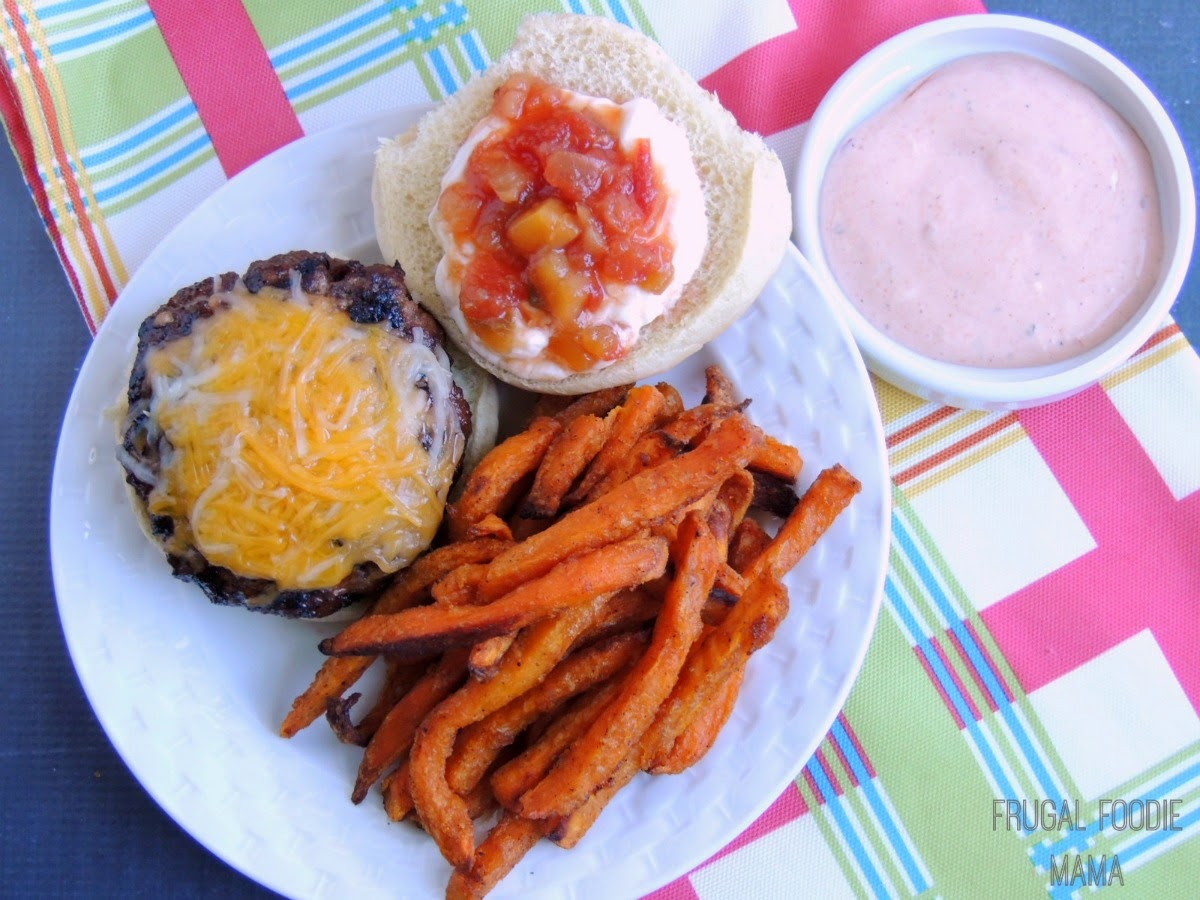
[[1002, 440], [98, 303], [96, 217], [39, 136], [1146, 361], [920, 445]]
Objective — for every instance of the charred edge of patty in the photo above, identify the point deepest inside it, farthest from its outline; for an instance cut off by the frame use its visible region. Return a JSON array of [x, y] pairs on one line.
[[368, 294]]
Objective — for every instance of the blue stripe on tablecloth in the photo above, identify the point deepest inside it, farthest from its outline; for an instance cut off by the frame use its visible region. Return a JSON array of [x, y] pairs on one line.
[[833, 804], [442, 68], [102, 34], [151, 130], [320, 41], [422, 29], [1034, 760], [157, 168], [618, 11], [900, 846], [474, 53], [1077, 841]]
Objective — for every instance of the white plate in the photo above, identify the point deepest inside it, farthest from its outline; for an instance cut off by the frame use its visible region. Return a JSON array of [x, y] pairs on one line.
[[192, 694]]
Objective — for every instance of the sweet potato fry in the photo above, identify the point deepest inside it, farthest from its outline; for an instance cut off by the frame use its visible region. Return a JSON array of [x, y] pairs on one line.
[[410, 587], [397, 792], [719, 519], [522, 772], [534, 653], [486, 655], [400, 679], [653, 448], [698, 737], [718, 389], [339, 715], [829, 494], [691, 423], [395, 734], [412, 584], [426, 630], [459, 587], [598, 403], [714, 659], [478, 744], [480, 800], [672, 402], [592, 617], [570, 829], [737, 493], [490, 525], [628, 508], [587, 764], [493, 485], [696, 740], [730, 582], [570, 454], [334, 678], [634, 418], [508, 841], [625, 610], [749, 540], [776, 458]]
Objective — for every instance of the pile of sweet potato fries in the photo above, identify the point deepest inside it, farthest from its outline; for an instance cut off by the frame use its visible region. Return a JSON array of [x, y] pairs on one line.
[[588, 615]]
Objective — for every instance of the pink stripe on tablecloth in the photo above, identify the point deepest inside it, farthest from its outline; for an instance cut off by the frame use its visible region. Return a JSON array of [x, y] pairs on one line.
[[938, 686], [247, 115], [856, 744], [954, 677], [789, 806], [778, 83], [1144, 572], [987, 658]]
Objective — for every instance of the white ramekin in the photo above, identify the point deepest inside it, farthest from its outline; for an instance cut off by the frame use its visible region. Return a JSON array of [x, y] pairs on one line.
[[893, 66]]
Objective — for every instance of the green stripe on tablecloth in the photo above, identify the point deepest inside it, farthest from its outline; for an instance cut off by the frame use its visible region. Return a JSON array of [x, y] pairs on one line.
[[861, 813], [367, 74], [428, 79], [829, 833], [157, 184], [1176, 872], [1014, 756], [189, 129], [57, 26], [1052, 758], [140, 80], [301, 18], [921, 760], [462, 65], [335, 49]]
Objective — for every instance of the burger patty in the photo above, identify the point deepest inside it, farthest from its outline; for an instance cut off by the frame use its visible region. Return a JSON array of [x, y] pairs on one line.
[[368, 294]]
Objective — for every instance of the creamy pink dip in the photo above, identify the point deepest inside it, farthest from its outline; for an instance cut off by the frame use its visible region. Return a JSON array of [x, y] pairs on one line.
[[998, 214]]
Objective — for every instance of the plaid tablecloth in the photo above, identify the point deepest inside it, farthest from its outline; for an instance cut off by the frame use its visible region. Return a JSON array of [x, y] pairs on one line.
[[1039, 650]]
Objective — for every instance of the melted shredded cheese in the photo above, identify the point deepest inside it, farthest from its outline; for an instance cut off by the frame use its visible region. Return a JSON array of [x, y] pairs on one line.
[[295, 439]]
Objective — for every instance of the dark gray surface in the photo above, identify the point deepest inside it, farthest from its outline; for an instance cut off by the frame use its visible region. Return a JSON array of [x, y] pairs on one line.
[[75, 823]]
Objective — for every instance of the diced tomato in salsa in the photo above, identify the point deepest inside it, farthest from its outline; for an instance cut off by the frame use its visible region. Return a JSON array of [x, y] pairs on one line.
[[557, 213]]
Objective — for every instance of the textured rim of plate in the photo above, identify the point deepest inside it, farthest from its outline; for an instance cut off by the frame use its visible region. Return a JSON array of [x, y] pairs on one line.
[[157, 758]]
